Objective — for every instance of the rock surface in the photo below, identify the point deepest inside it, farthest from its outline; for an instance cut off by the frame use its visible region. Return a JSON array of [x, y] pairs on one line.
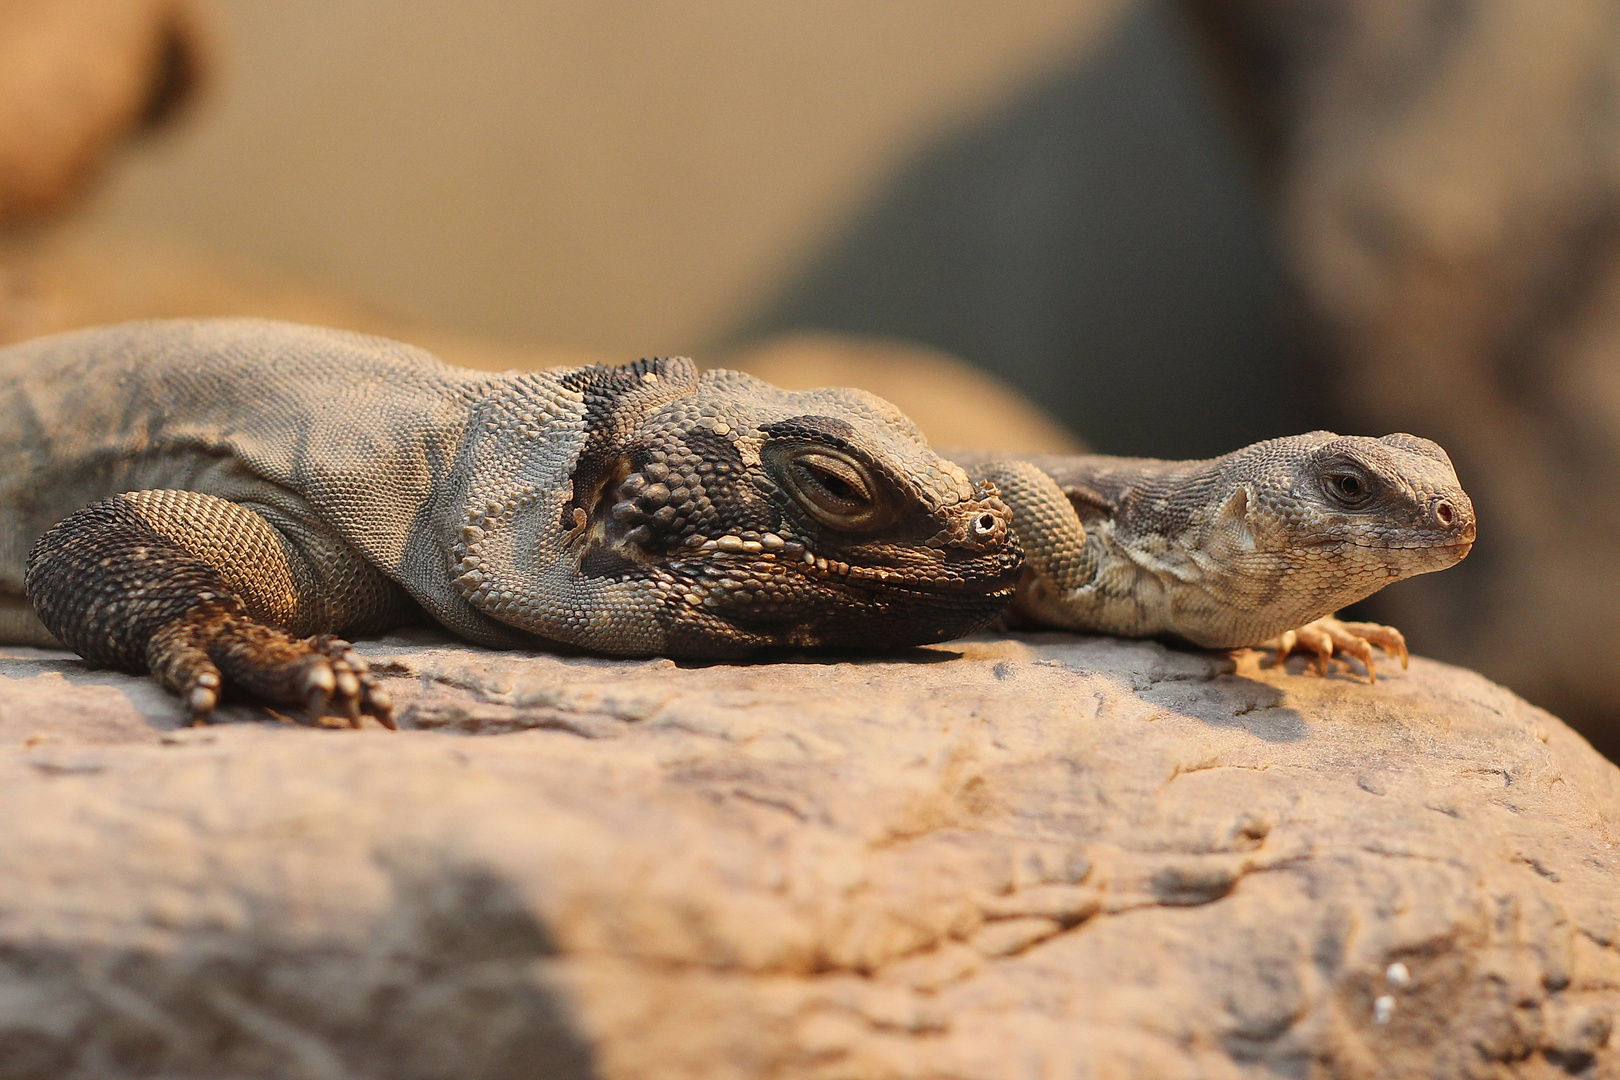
[[1004, 858]]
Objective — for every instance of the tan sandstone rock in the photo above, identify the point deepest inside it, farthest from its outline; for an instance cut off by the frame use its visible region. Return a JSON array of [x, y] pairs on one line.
[[1004, 858]]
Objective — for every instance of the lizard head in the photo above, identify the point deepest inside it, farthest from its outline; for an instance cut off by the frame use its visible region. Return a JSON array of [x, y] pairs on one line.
[[1319, 521], [712, 515]]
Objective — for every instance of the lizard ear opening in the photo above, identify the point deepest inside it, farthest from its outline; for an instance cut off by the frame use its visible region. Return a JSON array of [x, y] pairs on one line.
[[1233, 516], [1236, 508]]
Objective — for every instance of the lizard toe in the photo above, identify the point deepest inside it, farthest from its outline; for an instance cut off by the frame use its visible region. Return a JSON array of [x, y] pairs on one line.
[[203, 695], [178, 656], [346, 696], [1314, 637], [358, 693], [1281, 645], [319, 682], [1354, 645], [377, 701], [1387, 638], [1329, 637]]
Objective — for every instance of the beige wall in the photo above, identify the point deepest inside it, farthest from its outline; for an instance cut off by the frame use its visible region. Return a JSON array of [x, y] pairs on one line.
[[621, 176]]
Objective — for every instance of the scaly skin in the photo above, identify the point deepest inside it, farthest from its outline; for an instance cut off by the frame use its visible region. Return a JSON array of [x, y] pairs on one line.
[[1258, 547], [215, 501], [211, 501]]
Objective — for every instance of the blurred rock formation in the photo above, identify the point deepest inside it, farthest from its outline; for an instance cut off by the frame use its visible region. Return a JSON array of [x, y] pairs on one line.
[[80, 79], [1099, 242], [1447, 179], [76, 78]]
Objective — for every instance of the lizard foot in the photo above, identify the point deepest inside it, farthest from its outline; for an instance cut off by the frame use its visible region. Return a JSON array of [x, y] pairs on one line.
[[208, 650], [1328, 636]]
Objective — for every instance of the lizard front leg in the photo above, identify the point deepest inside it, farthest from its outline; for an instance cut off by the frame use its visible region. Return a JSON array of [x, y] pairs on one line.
[[210, 598]]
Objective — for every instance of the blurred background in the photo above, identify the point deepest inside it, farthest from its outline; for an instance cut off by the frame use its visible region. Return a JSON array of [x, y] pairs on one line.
[[1160, 227]]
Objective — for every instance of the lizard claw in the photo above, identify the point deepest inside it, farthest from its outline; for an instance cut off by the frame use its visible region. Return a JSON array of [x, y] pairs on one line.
[[356, 692], [319, 683], [1328, 636], [202, 695], [200, 655], [1282, 645]]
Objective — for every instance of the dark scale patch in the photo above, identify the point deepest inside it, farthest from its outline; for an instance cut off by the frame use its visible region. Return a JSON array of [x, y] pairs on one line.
[[895, 621], [726, 497], [827, 429], [695, 483], [616, 400], [607, 381]]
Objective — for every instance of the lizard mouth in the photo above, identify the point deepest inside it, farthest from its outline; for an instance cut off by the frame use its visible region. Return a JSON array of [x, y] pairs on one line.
[[984, 575], [1463, 547], [794, 596], [889, 580], [759, 583]]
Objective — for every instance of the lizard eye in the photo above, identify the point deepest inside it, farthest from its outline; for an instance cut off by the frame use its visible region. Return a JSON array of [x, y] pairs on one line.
[[1349, 488], [833, 488]]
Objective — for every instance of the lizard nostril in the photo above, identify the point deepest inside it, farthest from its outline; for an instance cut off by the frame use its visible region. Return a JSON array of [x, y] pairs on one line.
[[984, 525], [1444, 514]]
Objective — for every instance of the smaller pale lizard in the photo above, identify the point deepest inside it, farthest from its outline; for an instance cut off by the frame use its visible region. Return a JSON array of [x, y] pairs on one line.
[[1256, 548]]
